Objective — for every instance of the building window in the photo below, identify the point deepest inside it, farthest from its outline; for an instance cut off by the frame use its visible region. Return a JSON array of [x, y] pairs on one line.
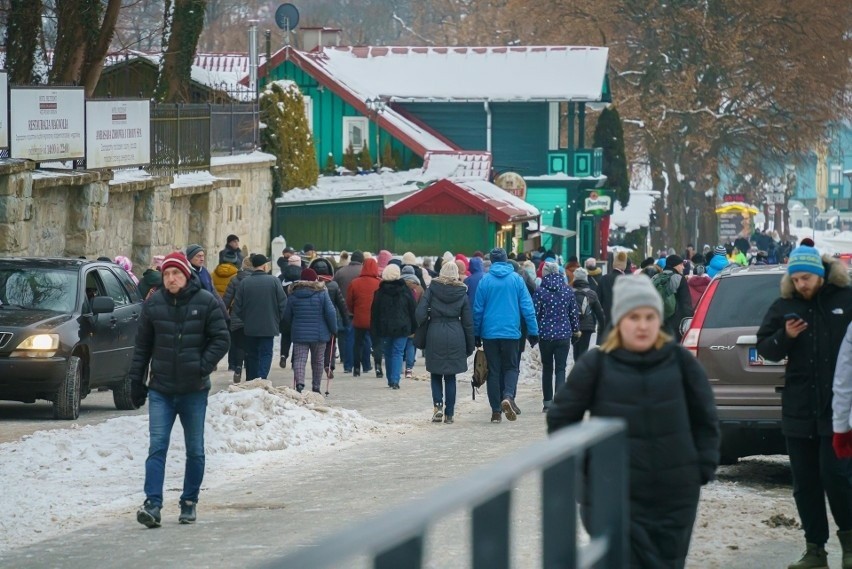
[[355, 132], [230, 213], [239, 213], [835, 175], [309, 112]]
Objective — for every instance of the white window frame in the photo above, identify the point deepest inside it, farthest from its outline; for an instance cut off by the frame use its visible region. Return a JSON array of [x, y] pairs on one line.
[[365, 128], [309, 111]]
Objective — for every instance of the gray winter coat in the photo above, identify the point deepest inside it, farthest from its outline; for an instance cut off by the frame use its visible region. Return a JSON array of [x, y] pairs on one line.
[[345, 275], [260, 303], [449, 340], [310, 314]]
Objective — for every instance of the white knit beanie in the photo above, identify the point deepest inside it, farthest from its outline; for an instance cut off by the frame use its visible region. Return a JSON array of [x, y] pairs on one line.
[[631, 292], [450, 271], [391, 273]]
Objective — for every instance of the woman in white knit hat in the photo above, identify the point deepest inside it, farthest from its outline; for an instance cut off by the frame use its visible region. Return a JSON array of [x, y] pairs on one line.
[[640, 375]]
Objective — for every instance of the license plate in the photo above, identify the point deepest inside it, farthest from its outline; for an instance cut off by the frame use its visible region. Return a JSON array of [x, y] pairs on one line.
[[755, 359]]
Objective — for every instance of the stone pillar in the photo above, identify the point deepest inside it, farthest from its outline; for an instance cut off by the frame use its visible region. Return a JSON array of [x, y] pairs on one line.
[[152, 232], [16, 205], [86, 217]]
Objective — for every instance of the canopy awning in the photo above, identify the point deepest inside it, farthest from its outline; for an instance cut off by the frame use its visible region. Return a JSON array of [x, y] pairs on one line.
[[557, 231]]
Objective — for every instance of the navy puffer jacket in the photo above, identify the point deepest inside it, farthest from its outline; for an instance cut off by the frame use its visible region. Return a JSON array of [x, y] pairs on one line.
[[184, 336], [556, 309], [310, 315]]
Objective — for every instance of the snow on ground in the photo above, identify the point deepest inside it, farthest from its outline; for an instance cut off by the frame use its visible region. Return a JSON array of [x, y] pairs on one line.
[[827, 242], [67, 478]]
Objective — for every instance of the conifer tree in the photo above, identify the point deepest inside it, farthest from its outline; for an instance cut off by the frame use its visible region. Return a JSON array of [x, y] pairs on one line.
[[288, 137], [330, 167], [350, 159], [365, 161], [388, 158], [609, 135]]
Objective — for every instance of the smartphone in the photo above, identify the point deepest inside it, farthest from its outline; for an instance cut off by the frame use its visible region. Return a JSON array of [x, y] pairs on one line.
[[792, 316]]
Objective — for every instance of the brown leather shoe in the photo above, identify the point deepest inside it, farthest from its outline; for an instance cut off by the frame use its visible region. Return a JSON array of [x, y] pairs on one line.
[[496, 417], [508, 409]]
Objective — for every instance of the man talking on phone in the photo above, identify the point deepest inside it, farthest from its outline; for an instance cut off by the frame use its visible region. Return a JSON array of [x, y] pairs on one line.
[[806, 325]]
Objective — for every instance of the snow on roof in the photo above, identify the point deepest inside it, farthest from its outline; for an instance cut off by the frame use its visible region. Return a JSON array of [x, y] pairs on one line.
[[528, 73], [332, 188], [448, 164], [498, 197]]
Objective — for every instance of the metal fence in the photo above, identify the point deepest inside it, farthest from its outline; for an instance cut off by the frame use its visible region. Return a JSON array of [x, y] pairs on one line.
[[180, 138], [594, 452], [234, 128]]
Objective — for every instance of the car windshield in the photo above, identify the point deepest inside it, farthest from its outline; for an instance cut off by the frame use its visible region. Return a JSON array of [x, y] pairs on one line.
[[38, 288]]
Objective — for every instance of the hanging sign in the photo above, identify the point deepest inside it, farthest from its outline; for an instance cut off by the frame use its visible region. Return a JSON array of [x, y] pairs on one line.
[[47, 123], [118, 133], [597, 203]]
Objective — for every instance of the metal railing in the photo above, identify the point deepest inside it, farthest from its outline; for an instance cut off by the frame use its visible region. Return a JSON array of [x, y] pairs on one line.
[[584, 463], [234, 128], [180, 137]]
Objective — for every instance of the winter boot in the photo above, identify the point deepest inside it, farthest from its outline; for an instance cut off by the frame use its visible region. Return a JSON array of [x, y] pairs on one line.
[[845, 538], [148, 515], [187, 512], [509, 409], [379, 370], [238, 372], [356, 372], [282, 362], [448, 419], [438, 413], [814, 557], [496, 417], [515, 407], [300, 387]]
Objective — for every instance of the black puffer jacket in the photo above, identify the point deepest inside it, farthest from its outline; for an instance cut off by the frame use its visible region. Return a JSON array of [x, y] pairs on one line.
[[593, 317], [339, 303], [672, 438], [230, 295], [449, 340], [393, 309], [183, 336], [807, 395]]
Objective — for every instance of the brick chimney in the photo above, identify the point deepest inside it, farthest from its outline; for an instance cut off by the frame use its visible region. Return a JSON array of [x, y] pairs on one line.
[[313, 38]]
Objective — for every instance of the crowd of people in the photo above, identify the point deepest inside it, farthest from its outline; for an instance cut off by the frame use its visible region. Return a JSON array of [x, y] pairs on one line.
[[366, 310]]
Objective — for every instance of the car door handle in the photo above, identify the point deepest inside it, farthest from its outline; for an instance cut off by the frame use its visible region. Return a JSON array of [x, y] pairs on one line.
[[134, 316], [747, 339], [113, 321]]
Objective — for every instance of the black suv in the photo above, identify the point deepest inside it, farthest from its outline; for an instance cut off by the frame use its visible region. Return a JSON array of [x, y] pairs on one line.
[[67, 327], [723, 336]]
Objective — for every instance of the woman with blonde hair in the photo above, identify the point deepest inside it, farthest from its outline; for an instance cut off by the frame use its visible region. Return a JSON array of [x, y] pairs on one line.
[[640, 375]]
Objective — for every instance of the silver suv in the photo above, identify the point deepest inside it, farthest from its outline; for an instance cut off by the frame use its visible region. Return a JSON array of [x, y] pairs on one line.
[[723, 336]]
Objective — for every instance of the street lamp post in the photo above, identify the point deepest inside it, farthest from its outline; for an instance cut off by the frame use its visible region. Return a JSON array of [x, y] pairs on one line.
[[376, 106]]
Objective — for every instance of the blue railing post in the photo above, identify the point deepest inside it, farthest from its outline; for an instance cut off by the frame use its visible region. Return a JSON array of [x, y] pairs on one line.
[[491, 538], [559, 515], [407, 554]]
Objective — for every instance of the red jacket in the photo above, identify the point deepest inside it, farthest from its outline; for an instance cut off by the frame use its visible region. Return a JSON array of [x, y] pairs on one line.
[[359, 296], [697, 285]]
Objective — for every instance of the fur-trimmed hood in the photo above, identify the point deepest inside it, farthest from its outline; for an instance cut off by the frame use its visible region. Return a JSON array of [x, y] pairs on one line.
[[312, 285], [836, 274]]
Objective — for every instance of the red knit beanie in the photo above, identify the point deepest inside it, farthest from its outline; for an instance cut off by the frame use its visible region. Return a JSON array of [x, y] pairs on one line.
[[308, 275], [178, 261]]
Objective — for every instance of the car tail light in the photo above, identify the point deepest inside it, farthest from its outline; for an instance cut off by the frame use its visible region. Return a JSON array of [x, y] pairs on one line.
[[690, 339]]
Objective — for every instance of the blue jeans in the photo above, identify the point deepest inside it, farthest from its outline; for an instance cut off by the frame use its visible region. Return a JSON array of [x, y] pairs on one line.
[[346, 342], [441, 385], [394, 349], [162, 411], [553, 352], [258, 356], [410, 353], [503, 359]]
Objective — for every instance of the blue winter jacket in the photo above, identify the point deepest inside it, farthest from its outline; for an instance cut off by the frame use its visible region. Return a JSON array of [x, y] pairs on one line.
[[477, 271], [206, 279], [717, 263], [310, 314], [556, 309], [501, 300]]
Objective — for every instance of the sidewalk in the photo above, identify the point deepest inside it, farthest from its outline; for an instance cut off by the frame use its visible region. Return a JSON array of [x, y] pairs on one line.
[[292, 505], [289, 505]]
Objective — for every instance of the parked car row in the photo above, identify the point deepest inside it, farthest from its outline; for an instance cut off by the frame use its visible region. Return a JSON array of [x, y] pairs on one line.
[[67, 327]]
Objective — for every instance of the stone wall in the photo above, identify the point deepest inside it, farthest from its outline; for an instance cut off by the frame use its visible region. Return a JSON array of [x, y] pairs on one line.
[[93, 213]]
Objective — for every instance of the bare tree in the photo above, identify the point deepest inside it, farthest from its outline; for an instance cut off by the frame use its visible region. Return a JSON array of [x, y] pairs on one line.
[[183, 22]]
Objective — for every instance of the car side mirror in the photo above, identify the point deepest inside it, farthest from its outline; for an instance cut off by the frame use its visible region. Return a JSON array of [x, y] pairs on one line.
[[684, 326], [102, 305]]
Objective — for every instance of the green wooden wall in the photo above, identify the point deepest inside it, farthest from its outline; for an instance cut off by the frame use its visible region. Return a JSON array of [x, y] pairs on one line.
[[547, 200], [328, 113], [434, 234], [332, 226]]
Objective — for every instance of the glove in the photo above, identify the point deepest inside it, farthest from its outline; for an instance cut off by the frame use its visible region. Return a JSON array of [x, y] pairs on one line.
[[477, 342], [842, 443], [575, 337], [138, 393], [533, 340]]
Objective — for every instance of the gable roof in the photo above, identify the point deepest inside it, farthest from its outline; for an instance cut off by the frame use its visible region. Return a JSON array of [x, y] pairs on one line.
[[479, 195], [447, 74]]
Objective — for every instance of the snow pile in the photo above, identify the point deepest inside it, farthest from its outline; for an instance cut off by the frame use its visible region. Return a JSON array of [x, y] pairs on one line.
[[69, 477], [827, 242]]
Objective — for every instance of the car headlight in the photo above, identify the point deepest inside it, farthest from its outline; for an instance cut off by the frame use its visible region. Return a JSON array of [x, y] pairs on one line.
[[38, 346]]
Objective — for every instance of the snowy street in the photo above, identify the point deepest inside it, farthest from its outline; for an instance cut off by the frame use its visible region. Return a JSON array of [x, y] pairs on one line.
[[284, 470]]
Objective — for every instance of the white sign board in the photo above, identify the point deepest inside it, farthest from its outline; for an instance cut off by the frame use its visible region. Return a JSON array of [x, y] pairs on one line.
[[118, 133], [47, 124], [4, 104]]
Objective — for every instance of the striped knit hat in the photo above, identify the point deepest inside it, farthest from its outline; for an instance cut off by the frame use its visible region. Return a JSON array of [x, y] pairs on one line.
[[720, 250], [178, 261]]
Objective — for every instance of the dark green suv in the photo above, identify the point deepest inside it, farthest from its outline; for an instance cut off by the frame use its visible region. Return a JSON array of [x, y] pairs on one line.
[[67, 327]]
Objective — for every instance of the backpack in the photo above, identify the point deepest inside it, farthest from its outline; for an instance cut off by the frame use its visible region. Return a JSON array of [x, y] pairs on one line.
[[480, 371], [661, 283], [585, 306]]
